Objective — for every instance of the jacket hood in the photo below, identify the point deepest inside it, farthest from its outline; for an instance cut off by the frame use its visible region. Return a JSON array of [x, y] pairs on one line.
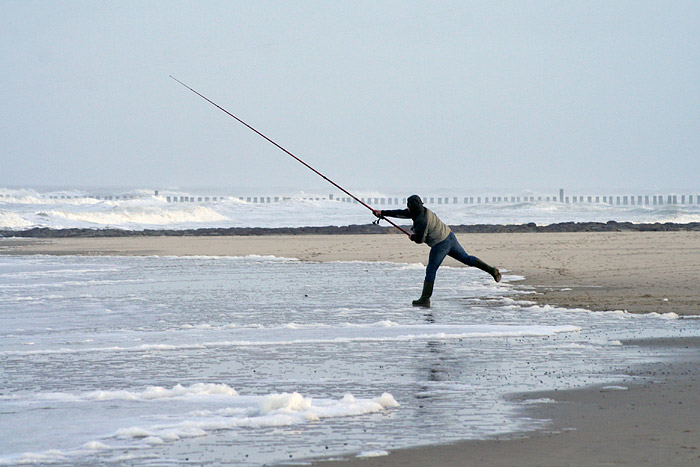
[[415, 205]]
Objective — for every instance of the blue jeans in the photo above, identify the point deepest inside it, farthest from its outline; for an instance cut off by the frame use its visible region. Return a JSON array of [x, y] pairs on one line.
[[449, 246]]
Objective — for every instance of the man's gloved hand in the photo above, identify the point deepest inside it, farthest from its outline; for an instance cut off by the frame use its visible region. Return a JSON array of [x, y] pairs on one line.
[[413, 238], [377, 213]]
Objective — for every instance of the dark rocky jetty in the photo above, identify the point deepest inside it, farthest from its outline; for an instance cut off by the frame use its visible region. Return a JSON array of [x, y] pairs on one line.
[[610, 226]]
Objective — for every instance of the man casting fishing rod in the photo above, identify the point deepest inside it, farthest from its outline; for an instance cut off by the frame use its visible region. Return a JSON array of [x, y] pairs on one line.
[[429, 229]]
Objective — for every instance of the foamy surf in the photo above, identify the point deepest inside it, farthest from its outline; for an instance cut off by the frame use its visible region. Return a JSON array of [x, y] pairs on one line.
[[147, 394], [291, 335], [159, 357], [219, 408], [27, 208]]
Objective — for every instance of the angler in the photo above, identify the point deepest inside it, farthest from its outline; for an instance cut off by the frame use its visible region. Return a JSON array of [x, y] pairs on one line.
[[429, 229]]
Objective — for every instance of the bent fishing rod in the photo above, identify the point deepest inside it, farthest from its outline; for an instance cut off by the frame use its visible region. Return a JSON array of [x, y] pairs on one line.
[[289, 153]]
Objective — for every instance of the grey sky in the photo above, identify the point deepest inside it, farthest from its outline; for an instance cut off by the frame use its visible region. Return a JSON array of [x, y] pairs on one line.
[[382, 95]]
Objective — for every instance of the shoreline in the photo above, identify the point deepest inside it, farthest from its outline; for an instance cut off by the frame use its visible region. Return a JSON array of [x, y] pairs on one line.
[[640, 272], [648, 417], [652, 422]]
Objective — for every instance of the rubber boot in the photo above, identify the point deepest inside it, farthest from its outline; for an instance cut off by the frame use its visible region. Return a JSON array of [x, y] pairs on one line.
[[424, 299], [495, 273]]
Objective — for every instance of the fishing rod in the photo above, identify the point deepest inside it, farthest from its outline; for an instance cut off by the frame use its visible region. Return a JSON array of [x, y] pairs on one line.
[[290, 154]]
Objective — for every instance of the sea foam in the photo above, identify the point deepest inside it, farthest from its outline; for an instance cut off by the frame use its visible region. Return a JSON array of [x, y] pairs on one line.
[[280, 356], [26, 208]]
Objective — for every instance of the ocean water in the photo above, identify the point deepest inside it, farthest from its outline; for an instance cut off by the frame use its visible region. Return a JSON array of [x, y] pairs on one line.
[[252, 360], [27, 208]]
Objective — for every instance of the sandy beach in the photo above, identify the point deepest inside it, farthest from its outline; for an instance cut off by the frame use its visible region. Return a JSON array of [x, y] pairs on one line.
[[652, 422], [634, 271]]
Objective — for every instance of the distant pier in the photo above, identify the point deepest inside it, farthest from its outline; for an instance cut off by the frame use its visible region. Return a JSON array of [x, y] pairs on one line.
[[659, 199]]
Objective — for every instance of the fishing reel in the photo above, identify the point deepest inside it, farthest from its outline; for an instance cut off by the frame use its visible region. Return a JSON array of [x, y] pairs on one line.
[[379, 217]]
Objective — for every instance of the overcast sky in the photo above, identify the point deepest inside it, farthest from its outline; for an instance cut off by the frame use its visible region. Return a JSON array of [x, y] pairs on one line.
[[415, 94]]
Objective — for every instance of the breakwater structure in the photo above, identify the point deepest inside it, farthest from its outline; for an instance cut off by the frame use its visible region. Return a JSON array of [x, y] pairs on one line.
[[562, 227], [620, 200], [658, 199]]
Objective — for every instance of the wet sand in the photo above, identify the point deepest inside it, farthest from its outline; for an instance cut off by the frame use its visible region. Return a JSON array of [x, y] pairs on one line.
[[634, 271], [655, 421]]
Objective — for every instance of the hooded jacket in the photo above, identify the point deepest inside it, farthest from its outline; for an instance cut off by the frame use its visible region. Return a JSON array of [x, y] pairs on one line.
[[427, 227]]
